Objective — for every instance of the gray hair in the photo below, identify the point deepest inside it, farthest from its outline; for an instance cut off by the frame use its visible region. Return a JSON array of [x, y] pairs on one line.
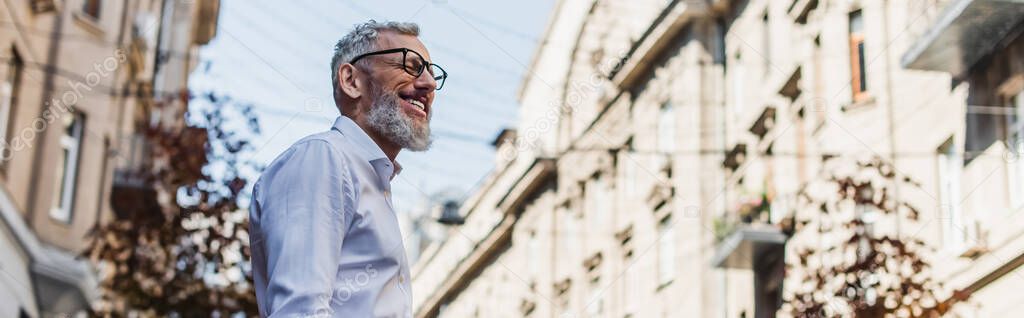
[[362, 40]]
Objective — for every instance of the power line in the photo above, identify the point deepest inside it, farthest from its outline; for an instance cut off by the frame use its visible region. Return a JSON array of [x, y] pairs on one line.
[[461, 57], [490, 67], [483, 141], [309, 117], [482, 20], [111, 91], [479, 90], [120, 92], [11, 25], [495, 26], [265, 33], [720, 152]]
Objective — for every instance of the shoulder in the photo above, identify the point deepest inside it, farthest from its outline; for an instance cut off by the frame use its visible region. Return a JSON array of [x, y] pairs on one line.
[[316, 158], [318, 152], [328, 144], [330, 139]]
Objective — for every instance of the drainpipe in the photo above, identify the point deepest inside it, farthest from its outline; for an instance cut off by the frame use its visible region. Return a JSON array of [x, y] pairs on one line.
[[722, 29], [121, 96], [52, 54], [891, 113]]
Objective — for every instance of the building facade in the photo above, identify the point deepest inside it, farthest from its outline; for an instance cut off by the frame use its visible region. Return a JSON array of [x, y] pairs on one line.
[[650, 130], [77, 79]]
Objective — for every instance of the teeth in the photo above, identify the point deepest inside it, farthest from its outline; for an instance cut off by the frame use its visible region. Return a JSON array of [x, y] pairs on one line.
[[416, 103]]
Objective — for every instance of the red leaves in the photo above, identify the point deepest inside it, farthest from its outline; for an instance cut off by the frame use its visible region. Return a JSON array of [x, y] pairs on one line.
[[175, 258]]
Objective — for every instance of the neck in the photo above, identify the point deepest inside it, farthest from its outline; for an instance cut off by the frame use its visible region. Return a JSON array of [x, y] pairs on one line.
[[389, 148]]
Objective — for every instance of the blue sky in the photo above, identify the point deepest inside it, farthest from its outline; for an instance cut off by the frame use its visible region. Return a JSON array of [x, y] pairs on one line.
[[278, 57]]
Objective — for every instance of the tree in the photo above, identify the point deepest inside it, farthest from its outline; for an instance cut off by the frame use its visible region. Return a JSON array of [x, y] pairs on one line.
[[178, 243], [849, 268]]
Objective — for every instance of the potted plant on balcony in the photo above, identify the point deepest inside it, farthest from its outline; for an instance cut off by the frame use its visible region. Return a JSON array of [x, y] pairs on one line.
[[750, 209], [754, 209]]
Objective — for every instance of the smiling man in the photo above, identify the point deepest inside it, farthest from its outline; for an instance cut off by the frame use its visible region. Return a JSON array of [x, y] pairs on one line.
[[324, 236]]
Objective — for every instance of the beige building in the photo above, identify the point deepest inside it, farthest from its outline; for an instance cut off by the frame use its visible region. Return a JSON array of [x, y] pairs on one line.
[[77, 77], [647, 126]]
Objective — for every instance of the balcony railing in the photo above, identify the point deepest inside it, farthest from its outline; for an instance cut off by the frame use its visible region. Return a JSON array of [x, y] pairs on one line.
[[133, 191], [962, 34], [750, 212], [746, 235]]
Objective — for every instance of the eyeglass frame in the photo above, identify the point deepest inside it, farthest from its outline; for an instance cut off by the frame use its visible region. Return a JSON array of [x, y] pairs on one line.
[[405, 53]]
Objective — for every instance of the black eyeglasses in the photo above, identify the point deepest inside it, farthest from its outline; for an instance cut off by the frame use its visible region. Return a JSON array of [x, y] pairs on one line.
[[414, 65]]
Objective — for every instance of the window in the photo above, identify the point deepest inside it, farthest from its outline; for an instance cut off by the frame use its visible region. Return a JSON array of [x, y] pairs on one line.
[[42, 6], [67, 167], [766, 43], [666, 129], [666, 251], [10, 77], [569, 236], [630, 278], [738, 76], [533, 252], [91, 8], [627, 165], [1016, 145], [858, 69], [595, 308], [599, 203], [950, 165], [1016, 125], [562, 292]]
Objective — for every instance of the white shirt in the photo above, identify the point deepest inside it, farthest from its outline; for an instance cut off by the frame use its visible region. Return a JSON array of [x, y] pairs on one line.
[[324, 236]]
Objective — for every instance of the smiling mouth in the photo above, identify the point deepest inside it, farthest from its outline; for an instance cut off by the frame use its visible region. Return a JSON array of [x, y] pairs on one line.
[[417, 103]]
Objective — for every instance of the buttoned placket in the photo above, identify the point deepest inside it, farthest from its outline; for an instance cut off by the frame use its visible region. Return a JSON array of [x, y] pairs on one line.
[[385, 181]]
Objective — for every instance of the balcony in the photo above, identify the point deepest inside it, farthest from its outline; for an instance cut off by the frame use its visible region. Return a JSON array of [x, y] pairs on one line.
[[746, 237], [747, 240], [964, 32], [133, 188]]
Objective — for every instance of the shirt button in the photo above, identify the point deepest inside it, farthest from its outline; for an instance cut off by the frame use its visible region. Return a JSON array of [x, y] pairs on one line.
[[401, 279]]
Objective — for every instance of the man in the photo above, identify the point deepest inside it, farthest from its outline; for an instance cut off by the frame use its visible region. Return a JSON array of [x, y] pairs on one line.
[[324, 236]]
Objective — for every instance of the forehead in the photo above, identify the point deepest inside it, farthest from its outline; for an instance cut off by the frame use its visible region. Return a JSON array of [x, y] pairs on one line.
[[393, 40]]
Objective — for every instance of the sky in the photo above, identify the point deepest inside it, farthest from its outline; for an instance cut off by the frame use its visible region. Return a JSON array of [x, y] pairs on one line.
[[277, 57]]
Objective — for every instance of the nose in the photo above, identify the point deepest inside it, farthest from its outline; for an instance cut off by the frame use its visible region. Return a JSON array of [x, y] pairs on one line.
[[425, 81]]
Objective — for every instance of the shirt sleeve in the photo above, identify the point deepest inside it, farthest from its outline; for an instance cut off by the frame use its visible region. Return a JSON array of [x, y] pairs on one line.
[[303, 219]]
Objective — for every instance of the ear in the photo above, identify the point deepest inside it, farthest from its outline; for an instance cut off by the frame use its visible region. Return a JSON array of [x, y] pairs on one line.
[[349, 81]]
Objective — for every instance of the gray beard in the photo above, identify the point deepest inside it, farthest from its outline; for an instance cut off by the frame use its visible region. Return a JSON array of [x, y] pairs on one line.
[[388, 120]]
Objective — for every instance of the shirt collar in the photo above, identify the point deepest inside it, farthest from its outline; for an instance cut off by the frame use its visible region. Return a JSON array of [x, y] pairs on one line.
[[370, 150]]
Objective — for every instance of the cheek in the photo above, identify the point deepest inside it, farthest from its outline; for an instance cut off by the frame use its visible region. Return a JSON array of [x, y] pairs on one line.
[[397, 79], [402, 85]]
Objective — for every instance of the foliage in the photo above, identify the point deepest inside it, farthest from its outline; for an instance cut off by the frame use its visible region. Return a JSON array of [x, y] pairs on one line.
[[849, 266], [178, 244], [750, 209], [753, 207]]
